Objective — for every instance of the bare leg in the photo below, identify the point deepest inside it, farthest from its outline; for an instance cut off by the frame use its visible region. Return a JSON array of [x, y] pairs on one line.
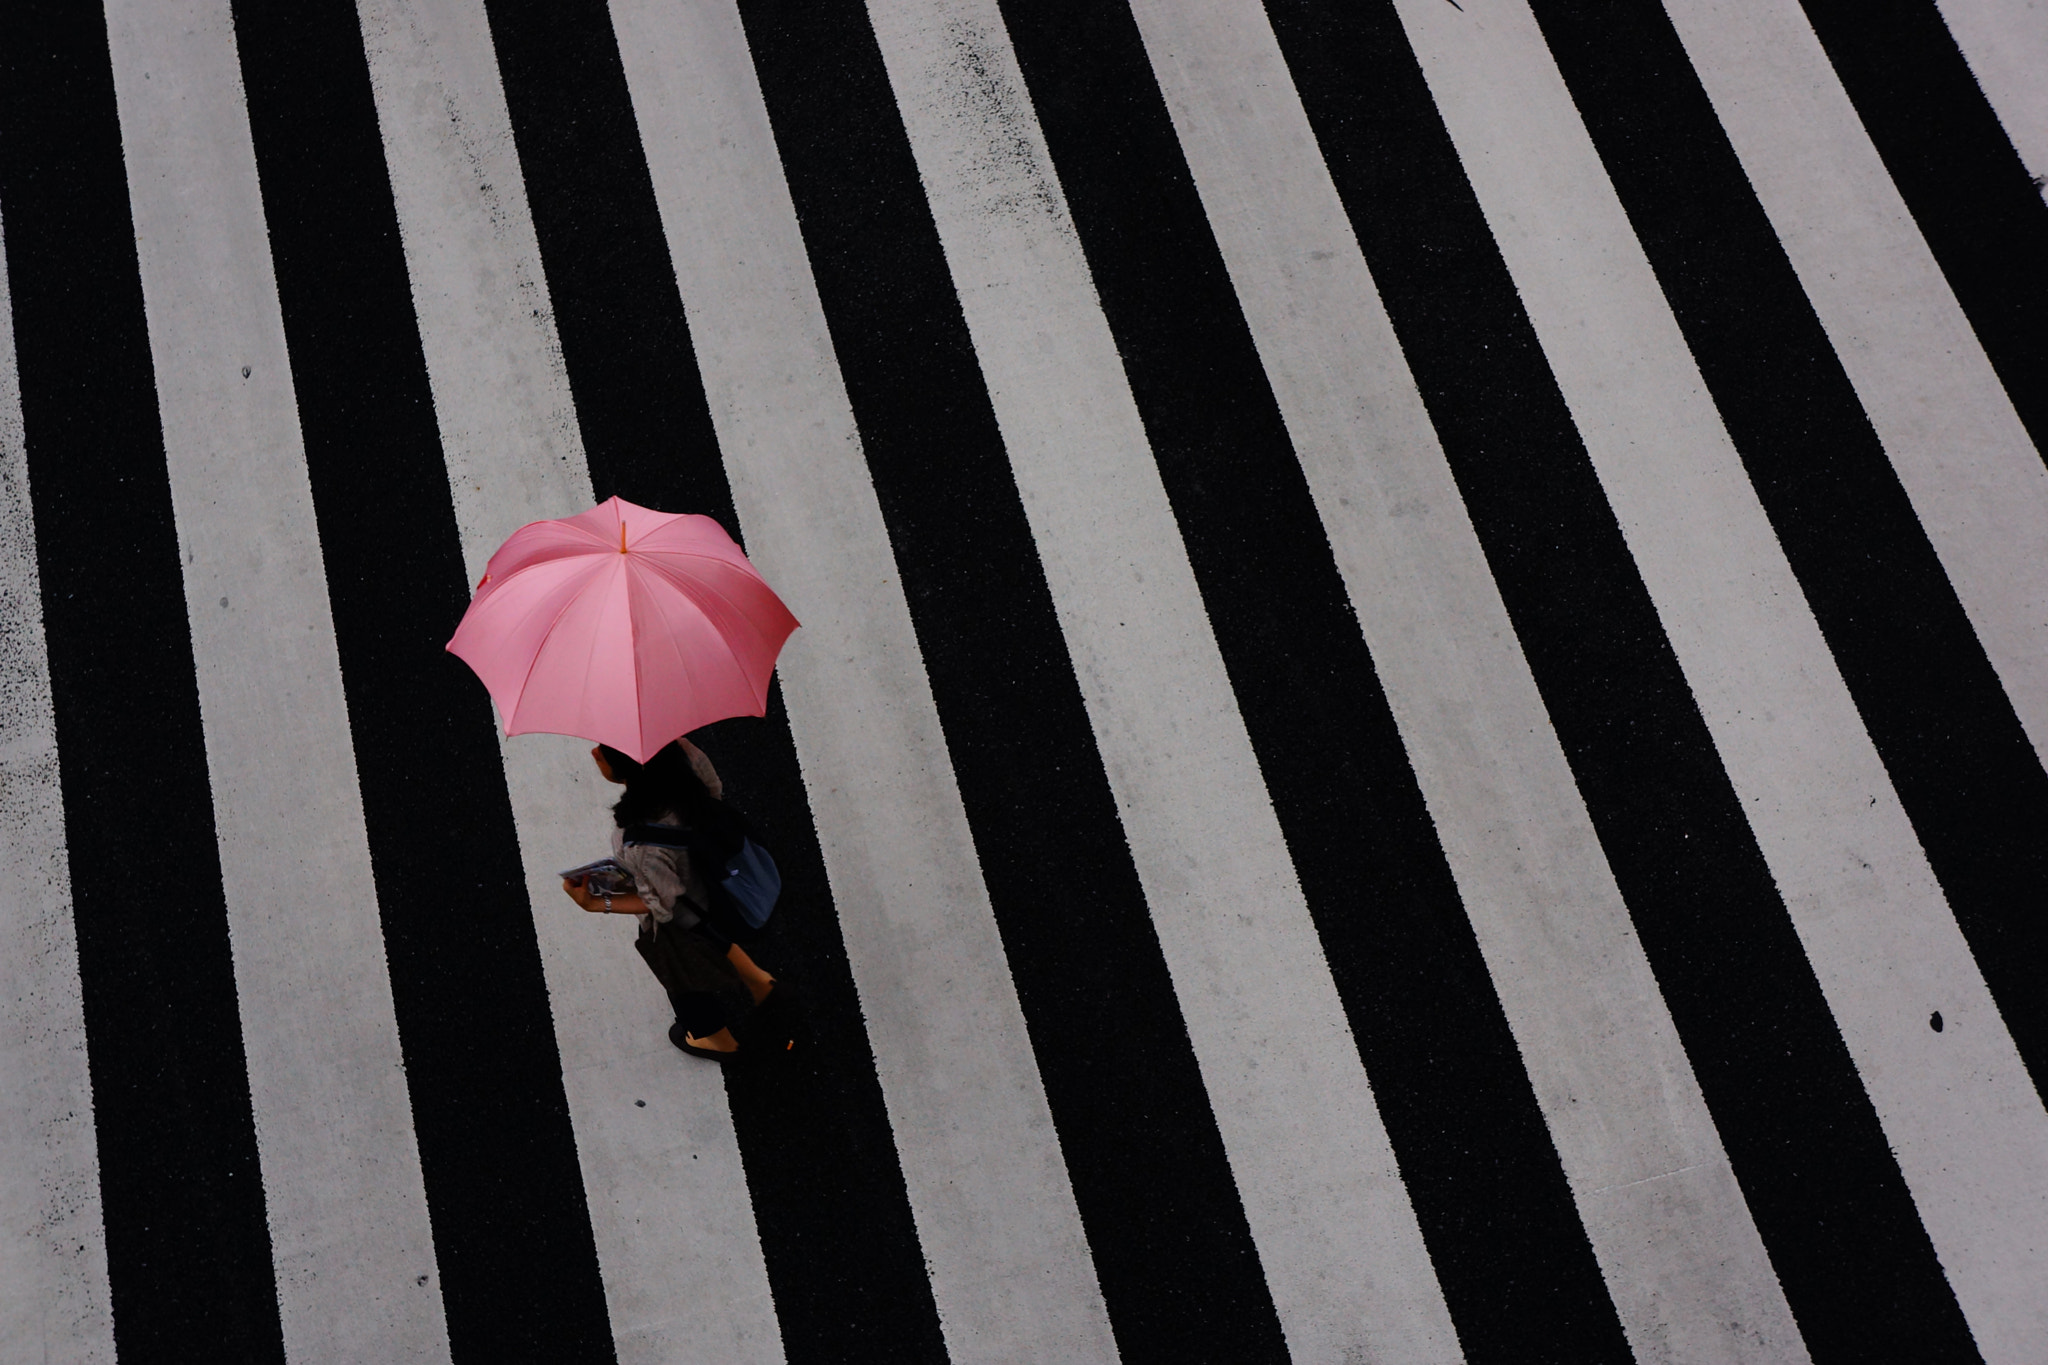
[[758, 981], [758, 984]]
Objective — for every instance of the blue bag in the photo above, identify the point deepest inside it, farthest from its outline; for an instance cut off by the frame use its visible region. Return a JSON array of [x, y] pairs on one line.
[[742, 878], [751, 882]]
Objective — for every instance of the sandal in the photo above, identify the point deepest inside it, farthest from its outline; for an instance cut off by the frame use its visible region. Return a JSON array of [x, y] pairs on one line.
[[681, 1038]]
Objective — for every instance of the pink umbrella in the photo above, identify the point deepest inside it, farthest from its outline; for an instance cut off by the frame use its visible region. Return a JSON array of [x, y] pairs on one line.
[[622, 625]]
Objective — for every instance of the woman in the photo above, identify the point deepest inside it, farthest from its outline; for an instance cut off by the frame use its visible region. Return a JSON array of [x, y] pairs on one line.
[[711, 982]]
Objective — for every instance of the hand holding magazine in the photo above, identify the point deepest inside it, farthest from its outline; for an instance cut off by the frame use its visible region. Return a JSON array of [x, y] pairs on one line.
[[605, 877]]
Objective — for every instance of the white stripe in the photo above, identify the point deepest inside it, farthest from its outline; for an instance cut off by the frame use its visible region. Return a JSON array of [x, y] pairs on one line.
[[54, 1304], [1342, 1253], [341, 1176], [1010, 1268], [2006, 44], [1653, 1184], [1958, 1107], [669, 1207], [1976, 482]]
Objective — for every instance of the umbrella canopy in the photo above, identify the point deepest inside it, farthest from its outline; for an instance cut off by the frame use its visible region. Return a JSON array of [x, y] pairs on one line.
[[623, 625]]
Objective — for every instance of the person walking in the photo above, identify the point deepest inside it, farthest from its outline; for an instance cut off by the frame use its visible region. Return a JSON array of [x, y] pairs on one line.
[[711, 982]]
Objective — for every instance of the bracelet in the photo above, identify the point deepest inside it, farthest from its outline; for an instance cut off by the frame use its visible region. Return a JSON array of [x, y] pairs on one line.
[[607, 902]]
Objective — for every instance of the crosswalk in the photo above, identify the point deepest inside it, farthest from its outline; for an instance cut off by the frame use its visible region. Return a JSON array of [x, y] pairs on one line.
[[1419, 734], [513, 451]]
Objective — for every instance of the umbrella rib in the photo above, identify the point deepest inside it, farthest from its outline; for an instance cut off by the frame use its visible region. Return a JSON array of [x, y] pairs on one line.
[[534, 662], [633, 651], [744, 617], [706, 588], [546, 554], [753, 625]]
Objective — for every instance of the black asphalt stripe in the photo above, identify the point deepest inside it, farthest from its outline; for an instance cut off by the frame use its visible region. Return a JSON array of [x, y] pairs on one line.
[[1849, 1245], [511, 1229], [1804, 1142], [1975, 202], [188, 1248], [1494, 1204], [633, 370], [840, 1244], [1173, 1254]]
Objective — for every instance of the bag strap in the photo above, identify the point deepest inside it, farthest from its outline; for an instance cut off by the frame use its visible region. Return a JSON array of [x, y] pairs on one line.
[[660, 836], [725, 830]]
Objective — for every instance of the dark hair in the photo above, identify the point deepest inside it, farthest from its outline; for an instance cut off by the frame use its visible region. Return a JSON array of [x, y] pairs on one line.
[[664, 783]]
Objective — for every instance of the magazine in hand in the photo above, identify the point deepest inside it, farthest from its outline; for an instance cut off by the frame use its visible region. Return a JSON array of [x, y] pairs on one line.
[[605, 877]]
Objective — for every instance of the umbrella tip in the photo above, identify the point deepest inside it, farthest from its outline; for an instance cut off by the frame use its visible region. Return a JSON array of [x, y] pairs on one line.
[[622, 535]]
